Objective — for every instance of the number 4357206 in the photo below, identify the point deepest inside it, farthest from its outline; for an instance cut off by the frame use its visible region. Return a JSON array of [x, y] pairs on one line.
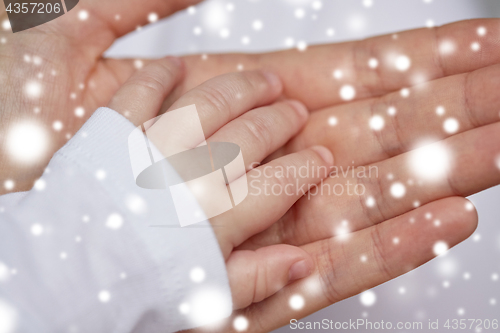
[[33, 8], [463, 324]]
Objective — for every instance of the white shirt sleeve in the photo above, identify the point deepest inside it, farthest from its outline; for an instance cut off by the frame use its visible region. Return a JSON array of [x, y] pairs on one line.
[[89, 251]]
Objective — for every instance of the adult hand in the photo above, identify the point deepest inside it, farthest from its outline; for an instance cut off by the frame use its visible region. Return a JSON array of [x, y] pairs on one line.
[[54, 77], [411, 207]]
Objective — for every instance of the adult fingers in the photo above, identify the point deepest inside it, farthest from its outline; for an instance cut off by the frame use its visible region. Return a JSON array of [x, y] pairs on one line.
[[373, 130], [121, 17], [273, 189], [383, 64], [441, 51], [358, 198], [263, 130], [141, 96], [256, 275], [367, 258]]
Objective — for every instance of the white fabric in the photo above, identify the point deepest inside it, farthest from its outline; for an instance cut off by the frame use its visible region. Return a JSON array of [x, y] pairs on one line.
[[91, 252]]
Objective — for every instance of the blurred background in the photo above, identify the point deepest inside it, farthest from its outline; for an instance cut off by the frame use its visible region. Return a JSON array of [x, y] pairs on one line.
[[464, 283]]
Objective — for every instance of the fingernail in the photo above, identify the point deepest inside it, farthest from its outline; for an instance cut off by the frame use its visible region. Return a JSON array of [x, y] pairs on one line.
[[325, 154], [299, 270], [272, 78], [299, 107]]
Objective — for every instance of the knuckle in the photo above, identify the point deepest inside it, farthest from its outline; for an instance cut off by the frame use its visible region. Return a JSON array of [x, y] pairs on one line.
[[373, 188], [260, 282], [467, 97], [245, 81], [439, 57], [328, 274], [379, 253], [260, 131], [391, 137], [217, 100], [453, 185], [362, 51], [254, 80], [150, 81]]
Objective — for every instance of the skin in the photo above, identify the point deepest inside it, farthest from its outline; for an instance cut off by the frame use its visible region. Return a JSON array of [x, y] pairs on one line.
[[239, 108], [465, 82]]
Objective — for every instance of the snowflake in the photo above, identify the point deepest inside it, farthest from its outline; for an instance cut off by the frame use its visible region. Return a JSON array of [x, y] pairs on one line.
[[302, 45], [114, 221], [373, 63], [224, 33], [9, 184], [338, 74], [33, 89], [104, 296], [197, 31], [347, 92], [368, 298], [57, 125], [197, 274], [6, 24], [402, 63], [79, 112], [430, 162], [451, 126], [83, 15], [296, 302], [368, 3], [240, 323], [257, 25], [440, 248], [398, 190], [37, 229], [27, 142], [333, 121], [475, 46], [440, 110], [100, 174], [184, 308], [136, 204], [447, 47], [299, 13], [317, 5], [405, 92], [153, 17], [377, 123]]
